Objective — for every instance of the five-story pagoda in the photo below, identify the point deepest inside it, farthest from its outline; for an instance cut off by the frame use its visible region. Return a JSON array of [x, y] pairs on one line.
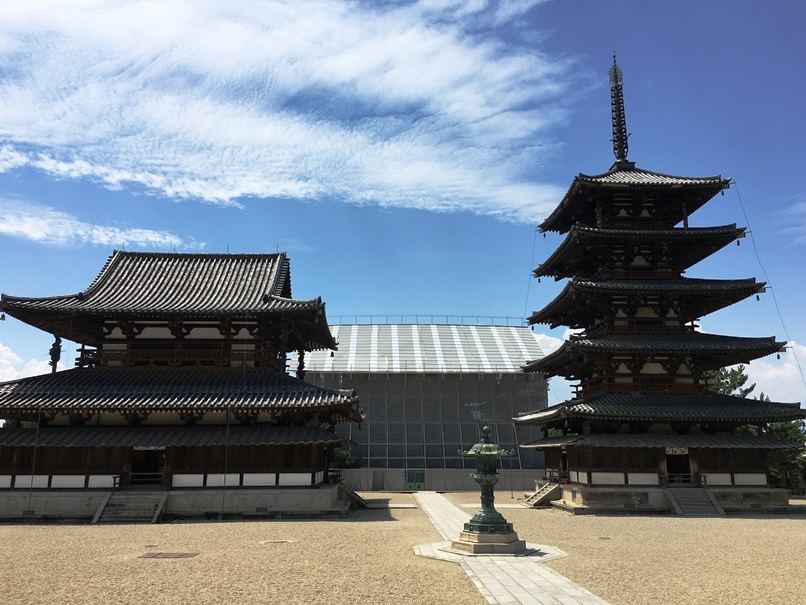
[[642, 419]]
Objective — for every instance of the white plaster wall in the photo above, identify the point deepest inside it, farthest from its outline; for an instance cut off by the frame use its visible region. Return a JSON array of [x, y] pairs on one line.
[[217, 479], [101, 481], [601, 478], [188, 480], [259, 479], [27, 482], [643, 478], [717, 479], [161, 333], [67, 481], [289, 479], [750, 478], [5, 481], [206, 333]]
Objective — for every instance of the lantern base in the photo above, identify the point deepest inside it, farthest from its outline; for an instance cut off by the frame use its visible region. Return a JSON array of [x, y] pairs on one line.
[[488, 544]]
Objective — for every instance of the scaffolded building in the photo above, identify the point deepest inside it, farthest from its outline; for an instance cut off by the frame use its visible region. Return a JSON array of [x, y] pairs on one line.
[[643, 420], [426, 391]]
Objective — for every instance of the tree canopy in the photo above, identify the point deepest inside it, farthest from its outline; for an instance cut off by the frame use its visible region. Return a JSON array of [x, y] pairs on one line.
[[729, 381], [732, 381]]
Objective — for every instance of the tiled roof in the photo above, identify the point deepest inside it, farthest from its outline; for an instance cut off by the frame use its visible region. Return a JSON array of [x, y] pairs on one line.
[[680, 233], [690, 342], [666, 407], [170, 390], [426, 348], [712, 350], [572, 256], [576, 204], [700, 296], [655, 440], [155, 283], [638, 176], [665, 285], [165, 436]]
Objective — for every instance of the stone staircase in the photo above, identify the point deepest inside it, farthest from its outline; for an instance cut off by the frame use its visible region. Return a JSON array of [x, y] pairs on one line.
[[349, 495], [693, 502], [543, 496], [131, 507]]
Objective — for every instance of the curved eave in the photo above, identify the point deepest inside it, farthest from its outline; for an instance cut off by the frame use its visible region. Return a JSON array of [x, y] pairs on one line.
[[72, 306], [711, 295], [156, 390], [712, 351], [167, 436], [578, 195], [320, 335], [550, 363], [665, 407], [554, 312], [689, 344], [660, 441], [574, 251], [84, 326]]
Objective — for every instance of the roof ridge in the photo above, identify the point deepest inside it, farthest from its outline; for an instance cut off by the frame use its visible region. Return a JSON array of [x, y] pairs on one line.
[[618, 169], [197, 254]]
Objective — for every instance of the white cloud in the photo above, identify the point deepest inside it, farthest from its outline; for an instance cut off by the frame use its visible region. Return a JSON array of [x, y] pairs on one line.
[[559, 388], [13, 367], [781, 380], [46, 225], [793, 219], [430, 104], [549, 344]]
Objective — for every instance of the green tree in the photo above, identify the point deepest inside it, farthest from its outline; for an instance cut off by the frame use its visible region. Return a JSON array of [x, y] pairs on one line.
[[729, 381], [789, 462], [342, 458], [783, 462]]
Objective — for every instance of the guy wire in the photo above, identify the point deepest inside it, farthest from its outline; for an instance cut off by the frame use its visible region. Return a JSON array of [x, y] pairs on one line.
[[767, 279]]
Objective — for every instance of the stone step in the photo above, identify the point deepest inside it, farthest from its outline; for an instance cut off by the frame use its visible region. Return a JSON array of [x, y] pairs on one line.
[[693, 501], [131, 507]]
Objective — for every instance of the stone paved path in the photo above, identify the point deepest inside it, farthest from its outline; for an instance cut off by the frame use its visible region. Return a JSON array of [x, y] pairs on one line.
[[502, 579]]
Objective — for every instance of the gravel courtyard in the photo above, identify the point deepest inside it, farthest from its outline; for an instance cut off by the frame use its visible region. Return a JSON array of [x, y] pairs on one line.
[[368, 558]]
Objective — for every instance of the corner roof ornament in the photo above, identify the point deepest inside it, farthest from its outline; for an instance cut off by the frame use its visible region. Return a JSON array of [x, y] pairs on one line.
[[620, 135]]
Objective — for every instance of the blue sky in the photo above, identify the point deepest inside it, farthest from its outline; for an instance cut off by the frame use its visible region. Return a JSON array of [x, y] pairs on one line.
[[400, 152]]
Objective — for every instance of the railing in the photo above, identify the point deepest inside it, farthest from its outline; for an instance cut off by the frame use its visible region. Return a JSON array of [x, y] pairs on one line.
[[642, 327], [678, 478], [468, 320], [154, 478], [643, 387], [637, 274], [170, 357]]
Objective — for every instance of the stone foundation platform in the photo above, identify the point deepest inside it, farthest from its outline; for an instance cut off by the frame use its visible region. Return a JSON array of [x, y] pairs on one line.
[[488, 544]]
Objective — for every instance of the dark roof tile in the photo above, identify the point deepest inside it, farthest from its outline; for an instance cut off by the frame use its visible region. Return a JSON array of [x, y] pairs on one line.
[[154, 283], [666, 407], [170, 390], [165, 436], [655, 440]]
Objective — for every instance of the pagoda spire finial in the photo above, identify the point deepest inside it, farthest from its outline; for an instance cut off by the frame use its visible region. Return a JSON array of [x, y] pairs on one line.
[[617, 109]]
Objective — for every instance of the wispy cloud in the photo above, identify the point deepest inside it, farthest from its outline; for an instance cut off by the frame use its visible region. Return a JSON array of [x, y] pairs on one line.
[[436, 104], [794, 219], [46, 225]]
